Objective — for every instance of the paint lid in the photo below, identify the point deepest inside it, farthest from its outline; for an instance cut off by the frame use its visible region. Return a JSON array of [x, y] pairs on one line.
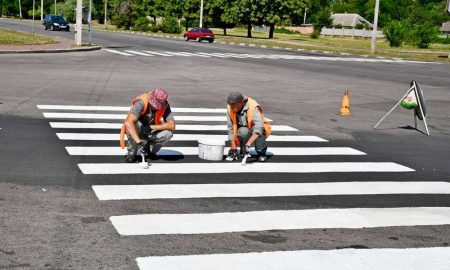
[[211, 141]]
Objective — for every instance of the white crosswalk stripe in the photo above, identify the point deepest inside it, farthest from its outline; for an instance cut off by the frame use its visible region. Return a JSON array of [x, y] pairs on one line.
[[183, 137], [146, 224], [229, 222], [208, 168], [143, 192], [268, 56], [84, 125], [363, 259], [183, 151]]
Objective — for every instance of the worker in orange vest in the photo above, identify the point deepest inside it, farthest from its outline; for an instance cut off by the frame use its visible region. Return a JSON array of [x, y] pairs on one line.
[[148, 126], [246, 126]]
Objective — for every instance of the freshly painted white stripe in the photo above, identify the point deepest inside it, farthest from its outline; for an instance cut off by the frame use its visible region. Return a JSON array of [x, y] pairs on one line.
[[195, 118], [180, 53], [138, 53], [436, 258], [83, 108], [203, 54], [148, 192], [184, 151], [182, 137], [147, 224], [84, 125], [125, 109], [118, 52], [256, 167], [84, 115], [158, 53]]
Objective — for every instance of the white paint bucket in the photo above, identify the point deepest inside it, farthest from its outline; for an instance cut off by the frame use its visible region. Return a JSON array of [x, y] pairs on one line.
[[210, 149]]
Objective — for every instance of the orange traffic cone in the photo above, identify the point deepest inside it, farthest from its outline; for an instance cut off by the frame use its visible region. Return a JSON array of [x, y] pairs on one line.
[[345, 106]]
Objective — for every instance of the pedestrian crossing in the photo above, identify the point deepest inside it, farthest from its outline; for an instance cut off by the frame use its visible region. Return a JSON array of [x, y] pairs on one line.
[[78, 125], [222, 55]]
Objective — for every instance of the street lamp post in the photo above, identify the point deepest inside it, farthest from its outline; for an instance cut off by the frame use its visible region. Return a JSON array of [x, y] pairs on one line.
[[32, 27], [201, 13], [78, 27], [304, 16], [42, 10], [373, 46], [20, 9], [89, 21]]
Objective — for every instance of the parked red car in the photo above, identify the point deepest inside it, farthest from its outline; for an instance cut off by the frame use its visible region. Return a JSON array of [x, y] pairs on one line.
[[199, 34]]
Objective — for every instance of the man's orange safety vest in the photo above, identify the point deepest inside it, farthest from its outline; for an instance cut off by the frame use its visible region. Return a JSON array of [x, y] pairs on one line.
[[252, 105], [159, 115]]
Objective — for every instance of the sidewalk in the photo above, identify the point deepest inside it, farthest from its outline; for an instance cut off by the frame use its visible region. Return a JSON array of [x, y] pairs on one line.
[[63, 45]]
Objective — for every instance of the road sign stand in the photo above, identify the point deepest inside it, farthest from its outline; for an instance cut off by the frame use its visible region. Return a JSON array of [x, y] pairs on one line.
[[420, 106]]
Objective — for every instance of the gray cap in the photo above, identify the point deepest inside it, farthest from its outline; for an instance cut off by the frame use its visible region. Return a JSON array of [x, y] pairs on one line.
[[234, 97]]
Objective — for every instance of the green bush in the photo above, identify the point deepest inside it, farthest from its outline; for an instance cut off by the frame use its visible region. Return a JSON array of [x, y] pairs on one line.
[[423, 34], [396, 32], [359, 26], [155, 28], [122, 21], [283, 30], [315, 34], [141, 24], [338, 26], [170, 25], [443, 40]]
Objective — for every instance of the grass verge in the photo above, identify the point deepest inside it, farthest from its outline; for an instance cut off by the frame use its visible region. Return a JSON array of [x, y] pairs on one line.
[[10, 37]]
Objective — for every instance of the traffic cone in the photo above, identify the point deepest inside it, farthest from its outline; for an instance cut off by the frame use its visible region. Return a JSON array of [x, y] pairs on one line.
[[345, 106]]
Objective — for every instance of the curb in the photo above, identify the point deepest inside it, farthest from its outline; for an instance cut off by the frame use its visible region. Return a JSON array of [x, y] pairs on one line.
[[91, 48]]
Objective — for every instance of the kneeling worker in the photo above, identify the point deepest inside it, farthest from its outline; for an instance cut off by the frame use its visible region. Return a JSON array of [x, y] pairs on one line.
[[148, 126], [246, 125]]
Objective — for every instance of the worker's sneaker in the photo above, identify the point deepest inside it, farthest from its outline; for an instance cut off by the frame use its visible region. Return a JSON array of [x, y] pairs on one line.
[[262, 158], [130, 158]]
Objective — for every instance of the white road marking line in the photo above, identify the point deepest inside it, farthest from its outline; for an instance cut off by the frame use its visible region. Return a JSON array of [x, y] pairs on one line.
[[199, 118], [349, 218], [84, 125], [202, 54], [118, 52], [256, 167], [126, 109], [138, 53], [149, 192], [158, 53], [436, 258], [184, 151], [183, 137], [180, 53]]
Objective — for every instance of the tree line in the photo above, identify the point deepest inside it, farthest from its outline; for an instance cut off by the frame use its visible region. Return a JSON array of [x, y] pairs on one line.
[[396, 15]]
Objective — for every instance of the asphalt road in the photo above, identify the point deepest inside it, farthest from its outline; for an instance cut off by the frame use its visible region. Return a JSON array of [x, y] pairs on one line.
[[52, 219]]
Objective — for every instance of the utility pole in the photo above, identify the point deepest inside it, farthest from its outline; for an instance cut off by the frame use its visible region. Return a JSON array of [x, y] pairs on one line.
[[55, 7], [90, 21], [42, 10], [304, 16], [78, 25], [373, 46], [32, 27], [106, 10], [20, 9], [201, 14]]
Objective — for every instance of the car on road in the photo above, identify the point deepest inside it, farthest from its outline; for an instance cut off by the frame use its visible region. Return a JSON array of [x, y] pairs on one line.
[[199, 34], [55, 22]]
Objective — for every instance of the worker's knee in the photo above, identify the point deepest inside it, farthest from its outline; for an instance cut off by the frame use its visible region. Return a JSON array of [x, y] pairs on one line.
[[243, 131], [162, 136]]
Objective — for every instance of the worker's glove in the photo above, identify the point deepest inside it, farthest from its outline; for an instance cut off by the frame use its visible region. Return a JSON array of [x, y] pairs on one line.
[[232, 155], [142, 147], [246, 150]]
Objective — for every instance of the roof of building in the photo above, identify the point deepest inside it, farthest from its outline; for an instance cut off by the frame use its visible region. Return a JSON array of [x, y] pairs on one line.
[[349, 19]]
